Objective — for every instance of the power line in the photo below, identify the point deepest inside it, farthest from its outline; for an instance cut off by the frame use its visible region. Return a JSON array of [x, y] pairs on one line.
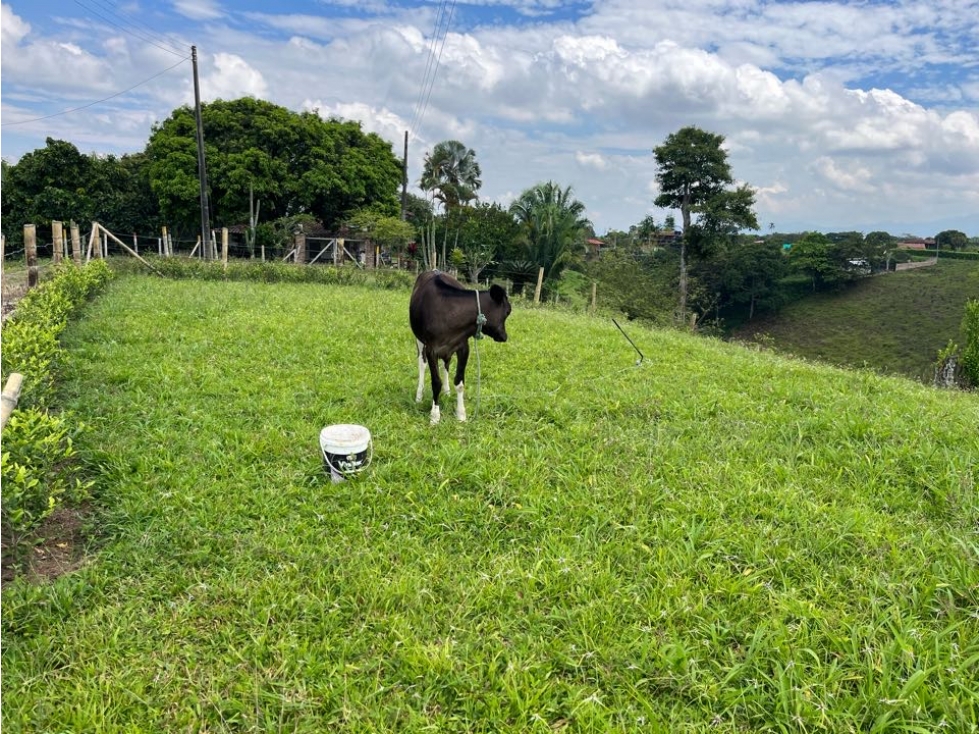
[[98, 101], [437, 60], [428, 64], [435, 71], [140, 36], [128, 19]]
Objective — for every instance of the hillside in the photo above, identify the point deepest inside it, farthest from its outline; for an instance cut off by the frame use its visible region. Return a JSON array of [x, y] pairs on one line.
[[896, 323], [718, 539]]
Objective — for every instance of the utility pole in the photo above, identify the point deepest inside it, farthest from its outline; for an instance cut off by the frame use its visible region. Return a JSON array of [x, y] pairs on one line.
[[404, 182], [201, 165]]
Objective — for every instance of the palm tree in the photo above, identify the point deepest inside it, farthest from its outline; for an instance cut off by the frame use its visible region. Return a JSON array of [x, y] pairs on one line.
[[553, 224], [451, 174]]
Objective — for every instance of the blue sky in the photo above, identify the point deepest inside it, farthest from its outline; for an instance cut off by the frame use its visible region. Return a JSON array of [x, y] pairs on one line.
[[841, 115]]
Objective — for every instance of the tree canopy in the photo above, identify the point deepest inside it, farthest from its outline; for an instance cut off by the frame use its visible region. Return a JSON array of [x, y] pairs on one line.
[[294, 163], [57, 182], [552, 223], [694, 176], [452, 173]]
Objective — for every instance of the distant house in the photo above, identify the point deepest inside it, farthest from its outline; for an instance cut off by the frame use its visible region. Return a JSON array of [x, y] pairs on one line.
[[667, 237], [594, 247], [916, 243]]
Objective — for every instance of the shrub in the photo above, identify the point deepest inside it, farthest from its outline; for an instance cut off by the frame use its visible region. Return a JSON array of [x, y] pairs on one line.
[[38, 458], [30, 336], [38, 469], [270, 272]]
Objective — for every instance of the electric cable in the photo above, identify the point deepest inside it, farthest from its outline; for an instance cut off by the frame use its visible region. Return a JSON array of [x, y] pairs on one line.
[[142, 38], [439, 14], [438, 60], [98, 101], [131, 21]]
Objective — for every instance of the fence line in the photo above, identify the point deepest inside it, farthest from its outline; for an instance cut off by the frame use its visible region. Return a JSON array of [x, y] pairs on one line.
[[915, 265]]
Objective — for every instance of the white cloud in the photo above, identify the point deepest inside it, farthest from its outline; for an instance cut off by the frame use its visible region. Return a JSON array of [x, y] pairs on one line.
[[232, 77], [584, 102], [198, 9], [385, 123], [12, 28], [845, 177], [591, 160]]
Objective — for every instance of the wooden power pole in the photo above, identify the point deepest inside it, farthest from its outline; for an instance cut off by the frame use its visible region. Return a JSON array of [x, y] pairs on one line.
[[201, 165], [404, 182]]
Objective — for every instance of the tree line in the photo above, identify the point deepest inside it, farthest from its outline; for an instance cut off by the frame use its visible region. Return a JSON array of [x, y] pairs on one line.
[[281, 169]]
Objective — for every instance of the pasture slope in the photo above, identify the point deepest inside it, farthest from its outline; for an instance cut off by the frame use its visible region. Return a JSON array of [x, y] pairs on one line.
[[719, 539], [896, 323]]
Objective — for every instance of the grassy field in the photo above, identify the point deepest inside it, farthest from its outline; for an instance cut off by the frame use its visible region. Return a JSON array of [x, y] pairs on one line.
[[896, 323], [718, 539]]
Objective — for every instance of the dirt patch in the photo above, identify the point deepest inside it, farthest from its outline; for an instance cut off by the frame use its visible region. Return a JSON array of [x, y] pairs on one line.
[[13, 289], [55, 549]]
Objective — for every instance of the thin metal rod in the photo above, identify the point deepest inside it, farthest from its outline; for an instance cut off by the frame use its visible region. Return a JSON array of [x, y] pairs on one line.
[[641, 355]]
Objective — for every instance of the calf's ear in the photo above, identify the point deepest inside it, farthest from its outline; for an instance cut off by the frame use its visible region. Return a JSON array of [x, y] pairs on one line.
[[497, 293]]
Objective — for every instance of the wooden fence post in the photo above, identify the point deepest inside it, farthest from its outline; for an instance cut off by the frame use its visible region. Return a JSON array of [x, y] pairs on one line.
[[10, 396], [95, 243], [540, 282], [76, 244], [300, 248], [57, 237], [224, 247], [164, 231], [30, 248]]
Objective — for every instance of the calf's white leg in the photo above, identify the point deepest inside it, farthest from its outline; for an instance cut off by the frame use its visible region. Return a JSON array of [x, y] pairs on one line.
[[422, 366], [436, 415], [460, 401]]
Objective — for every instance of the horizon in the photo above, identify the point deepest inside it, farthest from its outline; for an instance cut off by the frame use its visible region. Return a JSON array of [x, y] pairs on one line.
[[842, 117]]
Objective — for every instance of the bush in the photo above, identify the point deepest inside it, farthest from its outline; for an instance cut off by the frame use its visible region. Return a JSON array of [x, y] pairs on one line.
[[38, 463], [30, 336], [270, 272], [38, 469]]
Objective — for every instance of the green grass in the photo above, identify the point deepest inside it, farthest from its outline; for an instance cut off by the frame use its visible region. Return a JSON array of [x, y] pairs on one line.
[[896, 323], [719, 539]]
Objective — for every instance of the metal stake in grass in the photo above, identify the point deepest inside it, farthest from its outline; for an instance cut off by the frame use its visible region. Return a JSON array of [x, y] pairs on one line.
[[641, 356]]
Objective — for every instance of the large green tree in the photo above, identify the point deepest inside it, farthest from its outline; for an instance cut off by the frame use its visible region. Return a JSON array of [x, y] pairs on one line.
[[57, 182], [951, 239], [552, 226], [751, 275], [694, 176], [486, 232], [294, 163]]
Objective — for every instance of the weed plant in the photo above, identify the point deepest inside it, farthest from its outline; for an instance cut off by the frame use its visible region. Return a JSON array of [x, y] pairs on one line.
[[716, 539]]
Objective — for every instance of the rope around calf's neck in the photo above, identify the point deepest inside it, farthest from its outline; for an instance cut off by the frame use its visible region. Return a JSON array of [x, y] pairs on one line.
[[480, 320]]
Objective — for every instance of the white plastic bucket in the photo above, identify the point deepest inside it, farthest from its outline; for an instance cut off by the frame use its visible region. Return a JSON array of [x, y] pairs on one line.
[[347, 449]]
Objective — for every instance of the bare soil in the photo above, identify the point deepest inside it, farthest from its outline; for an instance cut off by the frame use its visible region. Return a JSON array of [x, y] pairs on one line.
[[56, 548], [13, 288]]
